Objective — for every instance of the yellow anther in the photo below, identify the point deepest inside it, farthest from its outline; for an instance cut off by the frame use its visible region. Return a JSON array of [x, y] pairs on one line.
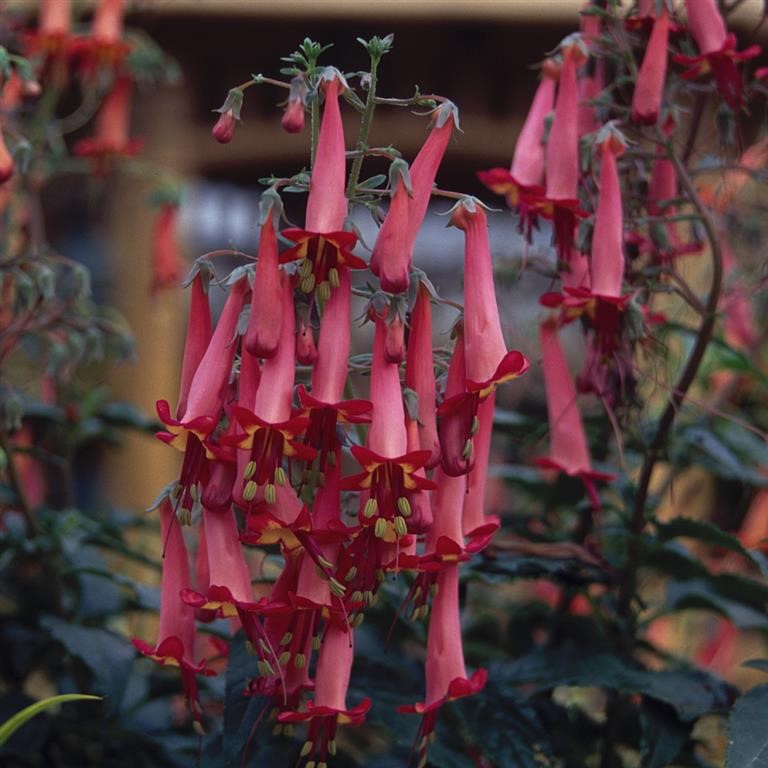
[[250, 470], [307, 284], [371, 508], [404, 506], [400, 526], [249, 492], [306, 748], [333, 277], [299, 661], [280, 477]]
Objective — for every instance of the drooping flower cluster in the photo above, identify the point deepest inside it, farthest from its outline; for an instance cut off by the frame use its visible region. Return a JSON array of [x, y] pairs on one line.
[[569, 167], [268, 450], [100, 62]]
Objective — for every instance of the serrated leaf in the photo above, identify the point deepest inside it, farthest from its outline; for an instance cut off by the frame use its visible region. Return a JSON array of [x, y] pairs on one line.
[[701, 530], [10, 726], [748, 731], [697, 593], [108, 656], [691, 692]]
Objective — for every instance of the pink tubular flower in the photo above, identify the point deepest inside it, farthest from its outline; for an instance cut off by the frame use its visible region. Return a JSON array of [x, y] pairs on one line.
[[718, 54], [229, 581], [199, 330], [420, 374], [329, 708], [105, 46], [266, 318], [392, 253], [322, 247], [389, 471], [52, 37], [176, 634], [271, 434], [487, 360], [167, 261], [6, 160], [205, 399], [707, 25], [562, 159], [525, 177], [646, 100], [608, 237], [425, 164], [569, 452], [457, 415], [324, 407], [423, 171], [603, 303], [445, 671], [111, 139], [293, 117]]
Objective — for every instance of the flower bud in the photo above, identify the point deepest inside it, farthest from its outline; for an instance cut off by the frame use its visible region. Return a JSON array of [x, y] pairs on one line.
[[229, 116], [293, 117]]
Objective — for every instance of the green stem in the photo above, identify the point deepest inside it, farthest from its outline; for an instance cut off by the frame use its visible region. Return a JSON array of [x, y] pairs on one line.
[[365, 129]]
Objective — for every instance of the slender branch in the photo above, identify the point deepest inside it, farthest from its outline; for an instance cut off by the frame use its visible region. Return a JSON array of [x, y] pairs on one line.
[[677, 396], [365, 128]]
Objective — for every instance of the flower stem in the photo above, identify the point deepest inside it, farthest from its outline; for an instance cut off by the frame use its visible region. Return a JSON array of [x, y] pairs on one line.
[[677, 396], [365, 128]]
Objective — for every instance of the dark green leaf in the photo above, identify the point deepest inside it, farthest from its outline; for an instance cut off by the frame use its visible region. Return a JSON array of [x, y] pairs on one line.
[[698, 593], [691, 692], [748, 731], [663, 736], [701, 530], [108, 656], [761, 664]]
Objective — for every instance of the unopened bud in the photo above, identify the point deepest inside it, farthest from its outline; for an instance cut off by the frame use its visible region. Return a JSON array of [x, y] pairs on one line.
[[224, 129], [293, 117]]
